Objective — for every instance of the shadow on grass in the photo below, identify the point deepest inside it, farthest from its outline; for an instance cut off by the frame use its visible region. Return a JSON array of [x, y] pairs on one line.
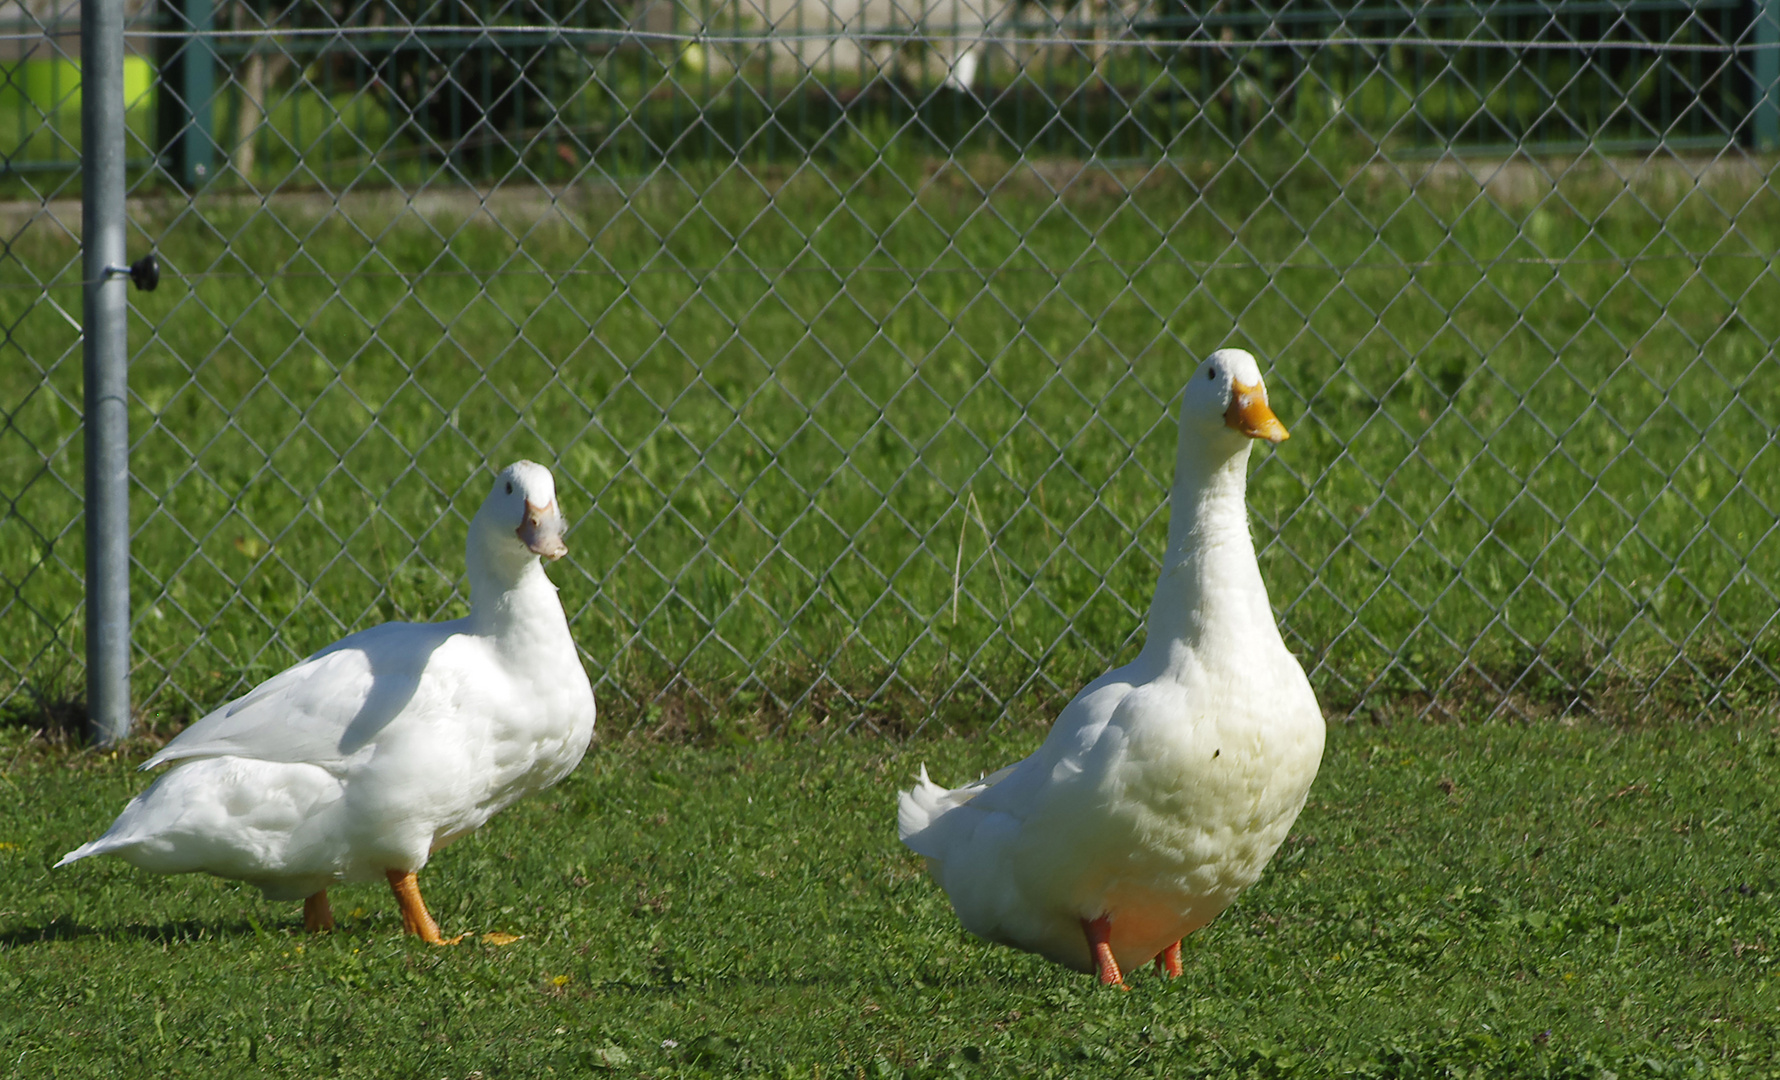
[[168, 933], [54, 711]]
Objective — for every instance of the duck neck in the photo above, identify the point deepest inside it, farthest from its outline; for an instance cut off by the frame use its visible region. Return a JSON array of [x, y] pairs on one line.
[[511, 598], [1210, 588]]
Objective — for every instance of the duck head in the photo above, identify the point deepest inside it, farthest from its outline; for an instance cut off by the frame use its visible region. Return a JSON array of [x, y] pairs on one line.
[[1226, 392], [1210, 582], [520, 518]]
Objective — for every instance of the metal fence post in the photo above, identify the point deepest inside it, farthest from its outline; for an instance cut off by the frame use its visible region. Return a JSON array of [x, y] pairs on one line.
[[1767, 74], [105, 354]]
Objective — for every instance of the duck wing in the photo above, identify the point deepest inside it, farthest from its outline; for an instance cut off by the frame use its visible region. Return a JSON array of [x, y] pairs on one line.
[[1068, 749], [328, 706]]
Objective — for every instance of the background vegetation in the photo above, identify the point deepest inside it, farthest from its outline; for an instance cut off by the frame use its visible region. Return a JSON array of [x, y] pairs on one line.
[[1531, 452], [404, 95]]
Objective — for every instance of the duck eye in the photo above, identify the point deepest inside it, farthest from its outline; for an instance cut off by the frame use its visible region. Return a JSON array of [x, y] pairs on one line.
[[509, 487], [1211, 374]]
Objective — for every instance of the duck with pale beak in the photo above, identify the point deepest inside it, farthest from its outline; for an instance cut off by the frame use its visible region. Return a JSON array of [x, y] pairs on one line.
[[362, 761]]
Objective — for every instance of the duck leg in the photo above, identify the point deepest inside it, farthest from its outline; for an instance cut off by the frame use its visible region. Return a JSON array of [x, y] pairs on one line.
[[1099, 935], [318, 917], [415, 919], [1168, 961]]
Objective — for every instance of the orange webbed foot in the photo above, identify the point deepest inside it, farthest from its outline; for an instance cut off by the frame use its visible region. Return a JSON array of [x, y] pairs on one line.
[[318, 916], [1099, 935], [1168, 961], [415, 918]]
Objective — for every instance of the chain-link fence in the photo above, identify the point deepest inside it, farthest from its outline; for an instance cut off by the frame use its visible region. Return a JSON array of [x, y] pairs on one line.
[[851, 331]]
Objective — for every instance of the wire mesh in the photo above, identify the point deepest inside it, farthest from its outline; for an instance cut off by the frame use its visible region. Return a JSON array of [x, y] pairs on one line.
[[851, 331]]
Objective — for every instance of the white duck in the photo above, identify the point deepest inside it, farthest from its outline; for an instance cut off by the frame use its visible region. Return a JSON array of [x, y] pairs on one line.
[[1167, 784], [364, 759]]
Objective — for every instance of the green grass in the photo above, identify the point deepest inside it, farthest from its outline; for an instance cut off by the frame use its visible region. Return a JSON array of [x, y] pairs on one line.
[[1499, 900], [784, 410]]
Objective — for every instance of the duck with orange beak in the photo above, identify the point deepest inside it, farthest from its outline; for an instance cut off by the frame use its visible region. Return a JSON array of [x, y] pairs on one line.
[[1167, 784]]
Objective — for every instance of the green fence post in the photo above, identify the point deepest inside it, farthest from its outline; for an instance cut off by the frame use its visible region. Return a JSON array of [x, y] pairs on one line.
[[188, 82], [1767, 74]]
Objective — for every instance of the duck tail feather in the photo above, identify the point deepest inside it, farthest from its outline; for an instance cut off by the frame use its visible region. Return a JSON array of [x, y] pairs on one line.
[[91, 847], [917, 807]]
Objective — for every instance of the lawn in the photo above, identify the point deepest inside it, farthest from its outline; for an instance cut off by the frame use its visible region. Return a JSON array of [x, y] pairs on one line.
[[1499, 899], [840, 454]]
